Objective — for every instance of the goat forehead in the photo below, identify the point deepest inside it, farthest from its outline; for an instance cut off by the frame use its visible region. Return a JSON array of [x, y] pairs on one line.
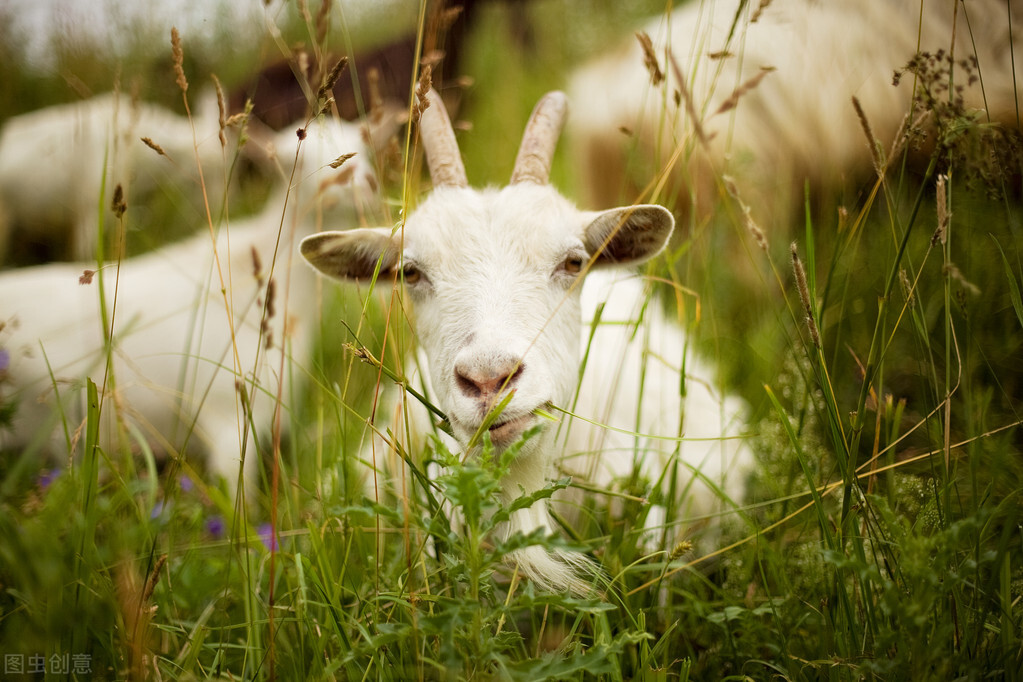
[[513, 227]]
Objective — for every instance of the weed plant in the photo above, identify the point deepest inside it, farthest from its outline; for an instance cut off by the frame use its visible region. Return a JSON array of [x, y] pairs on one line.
[[880, 354]]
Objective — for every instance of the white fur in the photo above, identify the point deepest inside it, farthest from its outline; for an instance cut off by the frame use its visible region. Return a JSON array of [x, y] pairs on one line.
[[493, 297], [54, 163], [798, 122], [176, 360]]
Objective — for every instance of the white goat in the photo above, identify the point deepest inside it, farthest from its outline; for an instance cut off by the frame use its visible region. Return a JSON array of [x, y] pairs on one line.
[[797, 121], [54, 162], [495, 277], [181, 350]]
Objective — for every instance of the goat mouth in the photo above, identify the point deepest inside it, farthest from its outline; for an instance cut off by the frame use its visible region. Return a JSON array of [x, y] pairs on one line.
[[506, 432]]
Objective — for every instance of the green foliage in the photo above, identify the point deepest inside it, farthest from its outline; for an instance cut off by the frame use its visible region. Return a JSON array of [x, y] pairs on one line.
[[879, 540]]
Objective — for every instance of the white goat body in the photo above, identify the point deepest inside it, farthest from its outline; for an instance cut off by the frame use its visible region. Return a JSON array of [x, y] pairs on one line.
[[54, 163], [495, 277], [179, 357], [798, 121]]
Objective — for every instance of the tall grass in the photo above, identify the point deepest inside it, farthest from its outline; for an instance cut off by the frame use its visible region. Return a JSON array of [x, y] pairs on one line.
[[880, 356]]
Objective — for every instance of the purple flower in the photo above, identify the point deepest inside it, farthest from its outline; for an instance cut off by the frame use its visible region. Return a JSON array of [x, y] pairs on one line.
[[269, 538], [215, 526], [46, 477], [5, 359], [186, 484], [157, 510]]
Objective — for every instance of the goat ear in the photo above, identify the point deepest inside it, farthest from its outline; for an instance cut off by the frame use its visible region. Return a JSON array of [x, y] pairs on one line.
[[351, 255], [627, 235]]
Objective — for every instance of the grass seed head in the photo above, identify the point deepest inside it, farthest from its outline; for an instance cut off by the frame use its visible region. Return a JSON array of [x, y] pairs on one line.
[[753, 82], [872, 141], [941, 200], [322, 21], [221, 109], [650, 59], [907, 287], [764, 4], [339, 161], [376, 101], [154, 146], [804, 296], [680, 550], [332, 78], [178, 55], [257, 266], [117, 204], [425, 83]]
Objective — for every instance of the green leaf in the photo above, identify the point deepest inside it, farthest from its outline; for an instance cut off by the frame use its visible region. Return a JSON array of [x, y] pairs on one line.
[[1014, 291]]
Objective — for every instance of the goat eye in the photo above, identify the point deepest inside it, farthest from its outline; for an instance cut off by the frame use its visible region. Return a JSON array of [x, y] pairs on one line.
[[573, 265], [410, 274]]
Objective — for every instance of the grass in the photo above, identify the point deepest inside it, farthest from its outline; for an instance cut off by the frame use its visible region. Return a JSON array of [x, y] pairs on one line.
[[880, 539]]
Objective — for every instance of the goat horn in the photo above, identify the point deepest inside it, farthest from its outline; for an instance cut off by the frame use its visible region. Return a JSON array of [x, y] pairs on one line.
[[533, 164], [438, 140]]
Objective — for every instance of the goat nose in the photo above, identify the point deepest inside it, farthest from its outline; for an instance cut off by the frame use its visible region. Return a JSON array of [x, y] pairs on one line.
[[486, 381]]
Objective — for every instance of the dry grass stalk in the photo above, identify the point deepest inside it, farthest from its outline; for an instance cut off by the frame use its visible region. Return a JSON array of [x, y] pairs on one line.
[[952, 272], [154, 577], [425, 83], [331, 80], [118, 204], [753, 82], [376, 101], [269, 310], [941, 200], [448, 17], [688, 99], [764, 4], [438, 23], [804, 296], [872, 141], [650, 59], [907, 287], [680, 550], [235, 119], [222, 110], [327, 107], [257, 266], [339, 161], [901, 135], [178, 56], [751, 225], [323, 21], [137, 614], [154, 146]]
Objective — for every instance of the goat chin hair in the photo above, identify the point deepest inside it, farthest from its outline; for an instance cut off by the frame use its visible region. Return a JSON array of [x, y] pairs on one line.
[[559, 570], [552, 570]]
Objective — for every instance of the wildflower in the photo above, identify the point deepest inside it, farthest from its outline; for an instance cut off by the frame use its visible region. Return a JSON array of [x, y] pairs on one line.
[[46, 477], [215, 526], [268, 536]]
